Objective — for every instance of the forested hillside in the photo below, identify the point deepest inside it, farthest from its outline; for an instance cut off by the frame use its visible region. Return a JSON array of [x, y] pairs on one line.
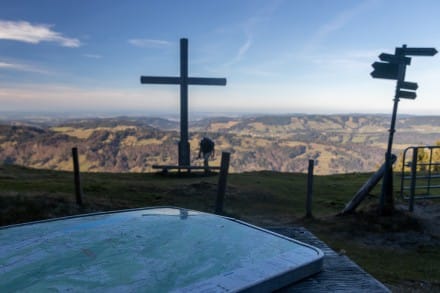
[[338, 143]]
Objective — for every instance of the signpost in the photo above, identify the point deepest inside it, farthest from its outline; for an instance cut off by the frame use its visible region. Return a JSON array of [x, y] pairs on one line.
[[183, 80], [394, 68], [416, 51], [394, 59], [385, 70], [407, 95], [409, 85]]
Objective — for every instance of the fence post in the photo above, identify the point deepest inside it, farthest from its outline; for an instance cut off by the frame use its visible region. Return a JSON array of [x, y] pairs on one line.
[[77, 178], [224, 167], [413, 179], [309, 189]]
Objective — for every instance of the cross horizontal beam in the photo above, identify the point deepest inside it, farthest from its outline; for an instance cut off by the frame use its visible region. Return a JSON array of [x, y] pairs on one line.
[[206, 81], [160, 79], [178, 80]]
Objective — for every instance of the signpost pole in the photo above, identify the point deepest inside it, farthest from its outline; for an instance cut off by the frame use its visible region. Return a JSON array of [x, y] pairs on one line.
[[386, 198]]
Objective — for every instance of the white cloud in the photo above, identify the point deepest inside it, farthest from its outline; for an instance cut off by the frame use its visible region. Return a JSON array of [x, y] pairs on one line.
[[359, 59], [149, 43], [249, 27], [241, 52], [10, 65], [21, 67], [244, 48], [93, 56], [338, 22], [24, 31]]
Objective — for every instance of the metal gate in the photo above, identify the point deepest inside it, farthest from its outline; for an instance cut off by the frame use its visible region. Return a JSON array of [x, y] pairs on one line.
[[420, 177]]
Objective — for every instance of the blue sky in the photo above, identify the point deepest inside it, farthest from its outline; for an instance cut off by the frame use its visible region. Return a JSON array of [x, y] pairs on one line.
[[292, 56]]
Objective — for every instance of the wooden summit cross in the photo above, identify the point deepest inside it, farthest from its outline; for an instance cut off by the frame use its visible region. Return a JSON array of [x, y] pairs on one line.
[[184, 81]]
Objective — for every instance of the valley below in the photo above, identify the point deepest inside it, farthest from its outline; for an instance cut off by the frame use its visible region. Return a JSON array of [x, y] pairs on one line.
[[285, 143]]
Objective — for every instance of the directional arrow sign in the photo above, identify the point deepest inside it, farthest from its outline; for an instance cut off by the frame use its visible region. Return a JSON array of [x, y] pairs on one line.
[[409, 85], [418, 51], [395, 59], [407, 95], [385, 70]]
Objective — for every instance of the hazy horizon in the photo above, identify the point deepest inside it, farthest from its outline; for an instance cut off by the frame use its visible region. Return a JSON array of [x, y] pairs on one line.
[[23, 115]]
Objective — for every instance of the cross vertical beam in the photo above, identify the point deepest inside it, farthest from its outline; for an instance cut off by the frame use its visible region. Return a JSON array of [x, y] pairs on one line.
[[184, 80], [184, 148]]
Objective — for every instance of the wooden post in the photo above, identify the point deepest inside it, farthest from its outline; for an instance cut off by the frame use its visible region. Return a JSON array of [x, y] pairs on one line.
[[413, 179], [77, 178], [224, 167], [365, 189], [309, 189]]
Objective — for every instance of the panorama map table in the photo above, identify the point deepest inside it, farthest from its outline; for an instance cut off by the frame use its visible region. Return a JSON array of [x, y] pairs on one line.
[[152, 249]]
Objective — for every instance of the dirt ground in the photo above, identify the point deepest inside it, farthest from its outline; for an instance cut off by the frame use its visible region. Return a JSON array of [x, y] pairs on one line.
[[428, 214], [403, 232], [406, 230]]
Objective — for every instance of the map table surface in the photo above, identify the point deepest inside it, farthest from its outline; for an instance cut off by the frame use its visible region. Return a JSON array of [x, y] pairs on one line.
[[152, 249]]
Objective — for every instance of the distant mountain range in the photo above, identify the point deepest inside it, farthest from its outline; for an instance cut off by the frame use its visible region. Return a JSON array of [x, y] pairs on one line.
[[338, 143]]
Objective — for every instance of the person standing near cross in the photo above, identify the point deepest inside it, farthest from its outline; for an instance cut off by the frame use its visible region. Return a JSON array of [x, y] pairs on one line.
[[207, 149], [183, 80]]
